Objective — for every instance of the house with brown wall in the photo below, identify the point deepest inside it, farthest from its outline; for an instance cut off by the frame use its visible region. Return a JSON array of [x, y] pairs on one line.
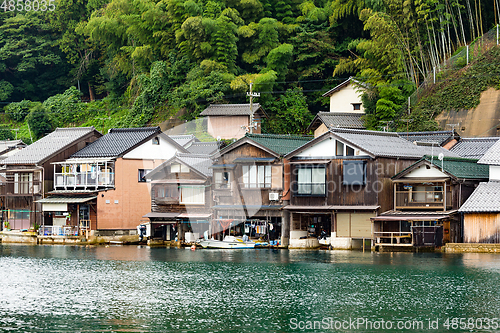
[[105, 181], [29, 174], [341, 179], [249, 186]]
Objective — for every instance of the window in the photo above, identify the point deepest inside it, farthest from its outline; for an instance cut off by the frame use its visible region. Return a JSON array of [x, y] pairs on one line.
[[356, 106], [156, 140], [339, 149], [222, 180], [311, 181], [167, 192], [256, 176], [142, 174], [23, 183], [178, 168], [354, 173], [349, 151], [192, 195]]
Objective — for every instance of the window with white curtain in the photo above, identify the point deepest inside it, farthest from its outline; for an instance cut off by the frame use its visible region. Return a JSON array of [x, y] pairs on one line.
[[311, 181], [256, 176], [192, 195]]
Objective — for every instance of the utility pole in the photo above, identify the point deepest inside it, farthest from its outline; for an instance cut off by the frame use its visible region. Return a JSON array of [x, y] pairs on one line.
[[408, 121], [453, 126], [251, 94], [106, 118], [386, 124]]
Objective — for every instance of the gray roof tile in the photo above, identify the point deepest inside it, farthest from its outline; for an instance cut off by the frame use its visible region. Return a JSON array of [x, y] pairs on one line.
[[485, 198], [183, 140], [388, 144], [47, 146], [6, 145], [203, 147], [492, 156], [473, 147], [229, 109], [201, 162], [118, 141], [438, 137], [340, 120]]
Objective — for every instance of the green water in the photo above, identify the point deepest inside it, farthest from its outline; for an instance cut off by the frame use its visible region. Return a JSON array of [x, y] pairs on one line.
[[141, 289]]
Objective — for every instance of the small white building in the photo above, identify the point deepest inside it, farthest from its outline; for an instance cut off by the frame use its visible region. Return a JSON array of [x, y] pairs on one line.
[[346, 97]]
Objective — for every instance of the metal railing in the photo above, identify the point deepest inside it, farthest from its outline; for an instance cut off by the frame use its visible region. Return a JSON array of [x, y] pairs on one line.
[[434, 199], [84, 179], [20, 188], [58, 230]]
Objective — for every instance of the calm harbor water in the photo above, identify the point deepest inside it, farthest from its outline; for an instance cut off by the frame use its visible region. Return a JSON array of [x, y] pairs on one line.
[[136, 289]]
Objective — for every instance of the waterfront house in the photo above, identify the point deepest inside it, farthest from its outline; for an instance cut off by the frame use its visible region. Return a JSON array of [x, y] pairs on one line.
[[324, 121], [341, 179], [102, 187], [481, 212], [232, 121], [28, 174], [427, 196], [250, 186], [181, 198]]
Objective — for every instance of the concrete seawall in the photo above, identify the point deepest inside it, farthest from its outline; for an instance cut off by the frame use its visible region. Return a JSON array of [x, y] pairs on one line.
[[472, 248]]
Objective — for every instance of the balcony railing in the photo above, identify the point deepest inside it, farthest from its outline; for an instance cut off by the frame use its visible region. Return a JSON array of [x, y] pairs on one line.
[[58, 230], [84, 180], [20, 188], [422, 199]]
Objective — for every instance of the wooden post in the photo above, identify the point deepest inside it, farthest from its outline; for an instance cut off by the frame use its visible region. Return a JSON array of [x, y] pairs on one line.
[[363, 244]]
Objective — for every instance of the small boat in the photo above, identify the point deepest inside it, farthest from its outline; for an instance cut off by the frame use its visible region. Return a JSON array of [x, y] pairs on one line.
[[229, 242]]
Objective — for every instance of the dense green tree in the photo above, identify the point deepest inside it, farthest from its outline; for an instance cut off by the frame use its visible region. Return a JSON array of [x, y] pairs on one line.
[[19, 110], [39, 122], [290, 113]]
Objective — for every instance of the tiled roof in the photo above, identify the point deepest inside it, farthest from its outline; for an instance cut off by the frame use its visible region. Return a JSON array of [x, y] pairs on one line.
[[203, 147], [201, 162], [280, 144], [462, 168], [339, 120], [492, 156], [49, 145], [387, 144], [485, 198], [473, 147], [117, 142], [438, 137], [10, 144], [229, 109], [183, 140]]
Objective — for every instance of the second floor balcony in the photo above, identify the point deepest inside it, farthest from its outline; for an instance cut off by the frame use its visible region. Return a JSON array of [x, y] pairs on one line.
[[84, 175], [423, 196]]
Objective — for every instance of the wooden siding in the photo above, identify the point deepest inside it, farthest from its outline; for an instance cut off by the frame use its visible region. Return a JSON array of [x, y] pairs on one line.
[[482, 228]]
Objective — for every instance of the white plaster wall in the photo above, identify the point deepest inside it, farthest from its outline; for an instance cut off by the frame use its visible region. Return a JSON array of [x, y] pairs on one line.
[[423, 172], [494, 172], [327, 147], [149, 151], [343, 243], [340, 101]]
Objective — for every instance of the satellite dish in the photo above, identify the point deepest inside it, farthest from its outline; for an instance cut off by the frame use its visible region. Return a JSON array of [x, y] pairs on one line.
[[218, 138], [440, 156]]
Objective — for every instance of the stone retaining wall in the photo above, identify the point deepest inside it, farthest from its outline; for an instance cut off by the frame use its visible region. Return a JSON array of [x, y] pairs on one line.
[[472, 248]]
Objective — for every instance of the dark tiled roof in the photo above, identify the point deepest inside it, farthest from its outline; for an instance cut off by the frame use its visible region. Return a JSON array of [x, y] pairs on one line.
[[473, 147], [183, 140], [438, 137], [203, 147], [462, 168], [387, 144], [338, 120], [492, 156], [49, 145], [117, 142], [6, 145], [485, 198], [280, 144], [229, 109]]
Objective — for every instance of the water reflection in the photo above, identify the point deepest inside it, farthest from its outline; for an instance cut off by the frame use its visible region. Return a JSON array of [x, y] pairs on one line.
[[129, 288]]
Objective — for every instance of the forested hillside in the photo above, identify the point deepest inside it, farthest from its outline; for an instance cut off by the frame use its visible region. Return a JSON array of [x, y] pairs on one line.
[[138, 62]]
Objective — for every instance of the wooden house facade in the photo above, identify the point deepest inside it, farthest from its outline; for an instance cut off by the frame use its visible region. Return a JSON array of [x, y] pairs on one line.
[[342, 179]]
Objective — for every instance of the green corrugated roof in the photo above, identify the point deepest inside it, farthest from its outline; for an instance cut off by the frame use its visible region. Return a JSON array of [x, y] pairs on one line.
[[457, 166], [279, 143]]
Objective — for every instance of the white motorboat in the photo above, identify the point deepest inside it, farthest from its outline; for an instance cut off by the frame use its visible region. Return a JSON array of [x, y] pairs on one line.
[[229, 242]]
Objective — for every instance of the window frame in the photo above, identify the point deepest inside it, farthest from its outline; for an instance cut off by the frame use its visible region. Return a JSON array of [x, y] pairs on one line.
[[142, 179], [257, 176], [345, 170], [223, 183], [311, 184], [181, 195]]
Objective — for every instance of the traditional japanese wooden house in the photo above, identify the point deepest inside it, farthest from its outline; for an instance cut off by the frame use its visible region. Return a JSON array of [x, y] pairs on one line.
[[341, 179], [29, 174], [249, 186], [181, 198], [427, 196], [481, 212]]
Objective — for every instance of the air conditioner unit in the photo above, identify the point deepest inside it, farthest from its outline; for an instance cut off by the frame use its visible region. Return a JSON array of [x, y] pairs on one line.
[[274, 196]]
